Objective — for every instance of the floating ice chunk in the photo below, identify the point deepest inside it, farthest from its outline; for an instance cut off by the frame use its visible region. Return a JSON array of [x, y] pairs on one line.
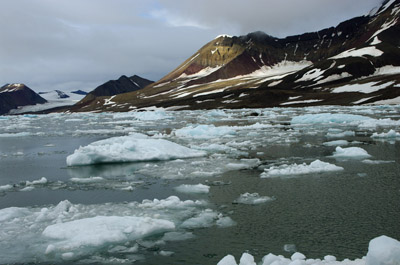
[[159, 114], [341, 134], [204, 131], [199, 188], [383, 250], [29, 188], [5, 187], [8, 214], [213, 147], [377, 162], [129, 149], [298, 256], [351, 152], [102, 230], [336, 143], [43, 180], [247, 259], [315, 167], [390, 134], [330, 258], [87, 180], [253, 198], [204, 219], [166, 253], [328, 118], [244, 164], [20, 134], [224, 221], [373, 123], [227, 260]]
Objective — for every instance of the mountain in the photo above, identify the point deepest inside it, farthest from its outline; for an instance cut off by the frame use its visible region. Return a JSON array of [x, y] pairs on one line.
[[114, 87], [13, 96], [356, 62], [55, 100]]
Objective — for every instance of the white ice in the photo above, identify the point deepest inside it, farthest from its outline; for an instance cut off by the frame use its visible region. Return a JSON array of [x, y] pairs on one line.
[[328, 118], [253, 198], [382, 250], [336, 143], [390, 134], [199, 188], [69, 231], [132, 148], [351, 152], [205, 131], [102, 230], [289, 170]]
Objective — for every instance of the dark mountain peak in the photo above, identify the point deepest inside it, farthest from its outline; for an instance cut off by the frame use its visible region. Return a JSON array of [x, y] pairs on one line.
[[13, 87], [13, 96], [258, 36], [110, 88], [140, 81], [79, 92]]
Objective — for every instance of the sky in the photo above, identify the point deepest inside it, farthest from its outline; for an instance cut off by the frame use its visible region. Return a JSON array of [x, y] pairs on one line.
[[80, 44]]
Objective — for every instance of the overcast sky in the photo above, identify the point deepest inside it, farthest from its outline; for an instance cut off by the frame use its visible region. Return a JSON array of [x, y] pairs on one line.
[[80, 44]]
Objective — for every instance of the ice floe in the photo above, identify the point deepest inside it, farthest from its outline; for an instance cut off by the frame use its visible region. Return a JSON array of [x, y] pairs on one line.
[[351, 153], [328, 118], [336, 143], [69, 231], [253, 198], [132, 148], [390, 134], [199, 188], [316, 166]]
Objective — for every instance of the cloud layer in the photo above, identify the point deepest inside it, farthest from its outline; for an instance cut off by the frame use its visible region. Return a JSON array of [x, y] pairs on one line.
[[74, 44]]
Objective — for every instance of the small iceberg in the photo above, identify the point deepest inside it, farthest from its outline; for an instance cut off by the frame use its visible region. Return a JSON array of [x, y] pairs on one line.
[[287, 170], [131, 148]]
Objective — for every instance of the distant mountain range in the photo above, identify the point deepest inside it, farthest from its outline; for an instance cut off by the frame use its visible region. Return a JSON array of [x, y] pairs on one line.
[[57, 100], [356, 62]]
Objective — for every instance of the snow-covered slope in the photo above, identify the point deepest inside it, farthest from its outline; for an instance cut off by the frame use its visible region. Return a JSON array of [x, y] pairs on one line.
[[55, 98]]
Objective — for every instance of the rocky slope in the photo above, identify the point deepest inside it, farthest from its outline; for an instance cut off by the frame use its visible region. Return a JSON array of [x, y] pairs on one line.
[[356, 62], [13, 96]]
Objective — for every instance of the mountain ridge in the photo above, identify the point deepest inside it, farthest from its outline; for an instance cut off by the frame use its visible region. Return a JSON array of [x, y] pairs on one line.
[[259, 70]]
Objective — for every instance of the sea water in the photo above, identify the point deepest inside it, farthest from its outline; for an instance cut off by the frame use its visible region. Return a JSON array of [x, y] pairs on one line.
[[320, 180]]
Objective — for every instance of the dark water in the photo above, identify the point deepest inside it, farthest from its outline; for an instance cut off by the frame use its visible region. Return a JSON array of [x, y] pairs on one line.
[[334, 213]]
